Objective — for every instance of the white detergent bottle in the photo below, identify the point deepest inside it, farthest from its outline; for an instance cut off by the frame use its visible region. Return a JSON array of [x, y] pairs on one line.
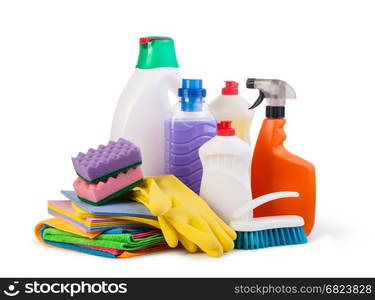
[[225, 184], [144, 104], [230, 106]]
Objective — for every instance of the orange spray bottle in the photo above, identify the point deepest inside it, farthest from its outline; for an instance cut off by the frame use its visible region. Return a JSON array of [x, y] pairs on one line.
[[273, 167]]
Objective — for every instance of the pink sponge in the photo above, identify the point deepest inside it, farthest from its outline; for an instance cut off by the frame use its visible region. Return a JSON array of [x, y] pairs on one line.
[[104, 191]]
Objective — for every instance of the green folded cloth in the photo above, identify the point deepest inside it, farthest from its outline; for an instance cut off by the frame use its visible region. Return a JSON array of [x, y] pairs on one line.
[[124, 241]]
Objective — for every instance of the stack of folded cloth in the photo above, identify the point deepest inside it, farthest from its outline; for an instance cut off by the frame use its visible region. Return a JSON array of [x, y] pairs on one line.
[[113, 243], [98, 219]]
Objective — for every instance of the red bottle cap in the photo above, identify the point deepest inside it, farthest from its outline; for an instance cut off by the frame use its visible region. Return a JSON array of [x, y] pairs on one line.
[[231, 88], [145, 40], [224, 128]]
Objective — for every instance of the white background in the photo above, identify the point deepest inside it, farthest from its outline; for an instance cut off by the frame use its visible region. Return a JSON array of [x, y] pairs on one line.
[[63, 65]]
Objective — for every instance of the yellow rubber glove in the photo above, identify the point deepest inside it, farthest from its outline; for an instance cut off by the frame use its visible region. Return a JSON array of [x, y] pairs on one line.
[[184, 216]]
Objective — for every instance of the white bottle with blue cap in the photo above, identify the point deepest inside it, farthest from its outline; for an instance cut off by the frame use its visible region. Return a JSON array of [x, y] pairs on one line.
[[189, 126]]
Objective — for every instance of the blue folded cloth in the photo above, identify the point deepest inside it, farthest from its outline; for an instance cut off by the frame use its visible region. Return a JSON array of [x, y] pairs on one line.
[[114, 208]]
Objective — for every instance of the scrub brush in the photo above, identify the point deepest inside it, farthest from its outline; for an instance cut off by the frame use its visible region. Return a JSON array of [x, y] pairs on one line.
[[262, 232]]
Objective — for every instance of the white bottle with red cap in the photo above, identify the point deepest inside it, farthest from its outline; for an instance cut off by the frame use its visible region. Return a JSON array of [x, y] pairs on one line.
[[230, 106], [225, 184]]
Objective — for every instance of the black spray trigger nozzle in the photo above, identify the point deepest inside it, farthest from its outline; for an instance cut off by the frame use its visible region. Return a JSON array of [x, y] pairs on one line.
[[250, 83]]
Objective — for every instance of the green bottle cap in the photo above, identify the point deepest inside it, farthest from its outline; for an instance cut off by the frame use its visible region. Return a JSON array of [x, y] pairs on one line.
[[156, 52]]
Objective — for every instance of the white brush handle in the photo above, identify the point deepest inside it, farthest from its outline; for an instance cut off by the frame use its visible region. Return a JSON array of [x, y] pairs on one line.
[[266, 223], [249, 206]]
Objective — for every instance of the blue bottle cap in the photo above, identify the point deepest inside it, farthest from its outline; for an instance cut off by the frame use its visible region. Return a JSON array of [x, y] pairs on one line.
[[191, 94]]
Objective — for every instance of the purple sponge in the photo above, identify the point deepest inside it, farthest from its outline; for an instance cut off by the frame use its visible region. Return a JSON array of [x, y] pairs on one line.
[[107, 161]]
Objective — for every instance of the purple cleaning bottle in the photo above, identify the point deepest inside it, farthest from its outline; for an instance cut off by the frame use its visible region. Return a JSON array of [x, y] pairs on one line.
[[190, 125]]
